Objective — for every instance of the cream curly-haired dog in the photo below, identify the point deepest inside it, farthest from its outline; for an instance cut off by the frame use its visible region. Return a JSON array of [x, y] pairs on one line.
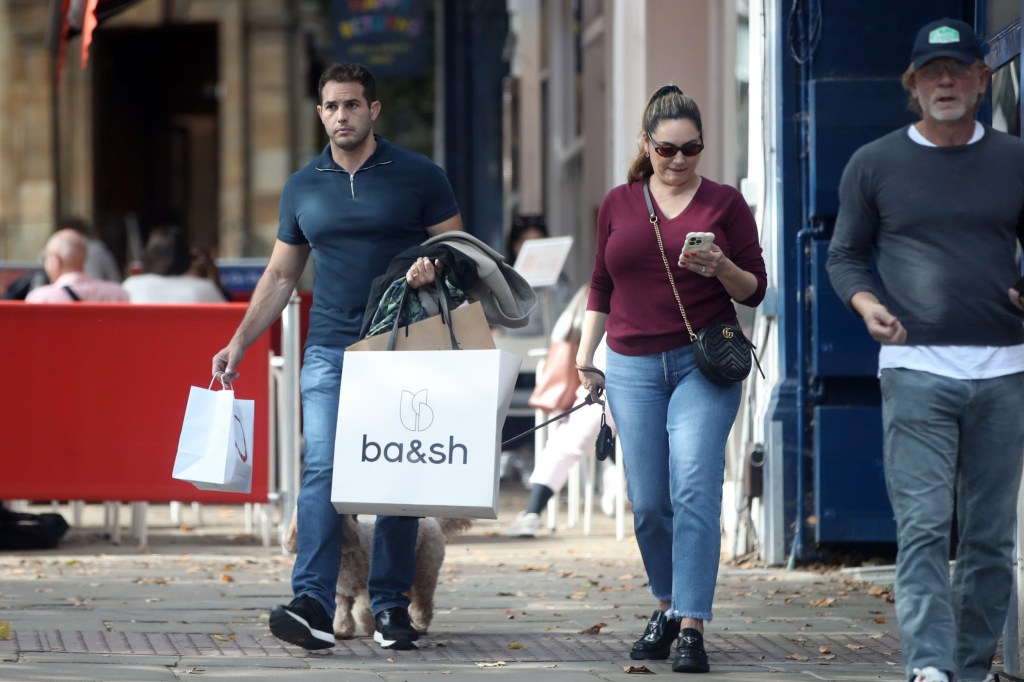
[[353, 599]]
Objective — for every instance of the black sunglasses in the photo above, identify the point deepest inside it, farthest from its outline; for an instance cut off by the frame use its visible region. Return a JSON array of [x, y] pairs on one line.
[[669, 150]]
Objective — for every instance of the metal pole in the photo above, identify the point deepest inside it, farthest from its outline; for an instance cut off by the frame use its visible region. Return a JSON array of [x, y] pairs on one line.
[[288, 415]]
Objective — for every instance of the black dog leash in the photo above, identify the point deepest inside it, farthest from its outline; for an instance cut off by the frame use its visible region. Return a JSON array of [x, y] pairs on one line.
[[589, 400]]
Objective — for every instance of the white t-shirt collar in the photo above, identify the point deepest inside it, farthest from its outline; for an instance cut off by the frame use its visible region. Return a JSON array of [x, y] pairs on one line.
[[916, 136]]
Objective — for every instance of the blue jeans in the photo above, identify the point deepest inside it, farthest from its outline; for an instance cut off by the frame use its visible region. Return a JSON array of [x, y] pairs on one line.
[[950, 441], [318, 556], [673, 423]]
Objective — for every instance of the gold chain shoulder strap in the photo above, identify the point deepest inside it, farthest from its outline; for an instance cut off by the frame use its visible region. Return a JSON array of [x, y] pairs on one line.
[[664, 259]]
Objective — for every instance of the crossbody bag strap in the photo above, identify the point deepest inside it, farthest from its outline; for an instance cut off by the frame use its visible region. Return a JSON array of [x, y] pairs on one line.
[[72, 294], [664, 259]]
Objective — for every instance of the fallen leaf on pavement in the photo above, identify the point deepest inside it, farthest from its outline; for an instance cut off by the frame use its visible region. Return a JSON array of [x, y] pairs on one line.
[[225, 578], [494, 664], [824, 650], [515, 645], [224, 638], [593, 629], [5, 629], [880, 620], [824, 602], [798, 657], [637, 670]]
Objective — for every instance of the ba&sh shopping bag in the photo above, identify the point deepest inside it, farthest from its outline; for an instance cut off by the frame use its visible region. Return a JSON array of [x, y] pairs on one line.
[[419, 432], [215, 449]]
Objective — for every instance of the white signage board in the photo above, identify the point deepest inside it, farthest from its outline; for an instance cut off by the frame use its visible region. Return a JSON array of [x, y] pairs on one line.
[[540, 261]]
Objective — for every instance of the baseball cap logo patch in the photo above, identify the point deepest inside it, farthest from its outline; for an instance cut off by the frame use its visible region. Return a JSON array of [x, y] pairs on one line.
[[946, 38], [943, 35]]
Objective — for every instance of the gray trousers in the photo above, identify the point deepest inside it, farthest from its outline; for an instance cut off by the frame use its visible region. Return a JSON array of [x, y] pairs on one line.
[[951, 441]]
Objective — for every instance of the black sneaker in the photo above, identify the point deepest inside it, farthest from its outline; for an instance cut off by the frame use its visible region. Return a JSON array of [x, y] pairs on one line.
[[395, 630], [690, 654], [656, 642], [303, 622]]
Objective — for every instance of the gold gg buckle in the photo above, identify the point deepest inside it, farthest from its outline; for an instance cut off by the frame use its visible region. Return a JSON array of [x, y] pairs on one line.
[[727, 333]]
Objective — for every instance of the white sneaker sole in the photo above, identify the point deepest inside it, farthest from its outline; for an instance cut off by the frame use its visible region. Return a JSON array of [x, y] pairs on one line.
[[294, 629], [396, 644]]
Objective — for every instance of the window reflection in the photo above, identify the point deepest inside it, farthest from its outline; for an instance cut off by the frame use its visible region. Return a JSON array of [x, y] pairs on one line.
[[1006, 98], [999, 14]]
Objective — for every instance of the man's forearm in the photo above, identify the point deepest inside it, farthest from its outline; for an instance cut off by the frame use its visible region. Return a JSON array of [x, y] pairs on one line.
[[269, 299], [861, 300]]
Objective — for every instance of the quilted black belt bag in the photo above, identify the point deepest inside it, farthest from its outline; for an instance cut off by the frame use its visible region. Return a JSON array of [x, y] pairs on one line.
[[722, 352]]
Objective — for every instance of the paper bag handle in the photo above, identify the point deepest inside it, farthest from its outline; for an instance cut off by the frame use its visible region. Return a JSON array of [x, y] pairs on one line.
[[442, 303], [219, 376]]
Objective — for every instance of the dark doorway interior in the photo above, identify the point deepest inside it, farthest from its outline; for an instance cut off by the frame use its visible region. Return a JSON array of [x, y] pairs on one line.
[[155, 126]]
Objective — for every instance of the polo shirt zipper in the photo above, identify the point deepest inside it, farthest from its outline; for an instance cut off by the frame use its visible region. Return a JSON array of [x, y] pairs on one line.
[[352, 176]]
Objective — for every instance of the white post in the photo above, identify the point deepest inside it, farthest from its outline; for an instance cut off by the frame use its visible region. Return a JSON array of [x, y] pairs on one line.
[[629, 87], [288, 412]]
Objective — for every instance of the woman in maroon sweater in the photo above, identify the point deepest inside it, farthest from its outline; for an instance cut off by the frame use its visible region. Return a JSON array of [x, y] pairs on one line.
[[673, 421]]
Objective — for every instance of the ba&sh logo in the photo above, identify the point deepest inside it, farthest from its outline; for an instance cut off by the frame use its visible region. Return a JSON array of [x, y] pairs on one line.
[[414, 412], [415, 415]]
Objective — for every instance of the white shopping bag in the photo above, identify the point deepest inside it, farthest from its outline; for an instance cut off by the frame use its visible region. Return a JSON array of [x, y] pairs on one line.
[[216, 445], [419, 432]]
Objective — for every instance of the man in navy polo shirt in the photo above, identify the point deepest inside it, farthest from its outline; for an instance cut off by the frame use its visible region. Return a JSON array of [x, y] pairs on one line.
[[355, 207]]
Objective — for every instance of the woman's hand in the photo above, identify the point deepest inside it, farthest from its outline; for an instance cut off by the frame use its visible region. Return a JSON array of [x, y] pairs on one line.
[[422, 272], [705, 263], [592, 380], [738, 283]]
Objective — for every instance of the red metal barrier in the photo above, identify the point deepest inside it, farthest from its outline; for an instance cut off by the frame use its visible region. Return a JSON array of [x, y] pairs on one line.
[[92, 397]]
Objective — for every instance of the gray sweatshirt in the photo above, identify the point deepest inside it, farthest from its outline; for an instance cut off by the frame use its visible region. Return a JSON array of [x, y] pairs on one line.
[[942, 224]]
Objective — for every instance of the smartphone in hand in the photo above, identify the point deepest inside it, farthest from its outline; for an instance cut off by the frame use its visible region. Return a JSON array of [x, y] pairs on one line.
[[697, 242]]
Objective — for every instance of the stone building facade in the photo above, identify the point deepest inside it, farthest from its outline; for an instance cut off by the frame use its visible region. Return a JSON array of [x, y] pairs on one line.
[[219, 164]]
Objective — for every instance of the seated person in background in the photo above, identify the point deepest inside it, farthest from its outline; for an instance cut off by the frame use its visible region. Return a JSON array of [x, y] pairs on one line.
[[524, 228], [574, 437], [99, 262], [64, 262], [174, 273]]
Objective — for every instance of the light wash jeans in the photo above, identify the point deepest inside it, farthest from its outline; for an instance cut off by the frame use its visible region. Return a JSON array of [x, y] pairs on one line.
[[952, 441], [318, 557], [673, 423]]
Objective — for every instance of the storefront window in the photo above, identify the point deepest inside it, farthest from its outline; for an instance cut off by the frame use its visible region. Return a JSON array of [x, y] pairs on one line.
[[999, 14], [1006, 97]]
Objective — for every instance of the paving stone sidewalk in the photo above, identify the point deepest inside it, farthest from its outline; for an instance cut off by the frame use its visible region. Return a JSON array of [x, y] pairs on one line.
[[566, 606]]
